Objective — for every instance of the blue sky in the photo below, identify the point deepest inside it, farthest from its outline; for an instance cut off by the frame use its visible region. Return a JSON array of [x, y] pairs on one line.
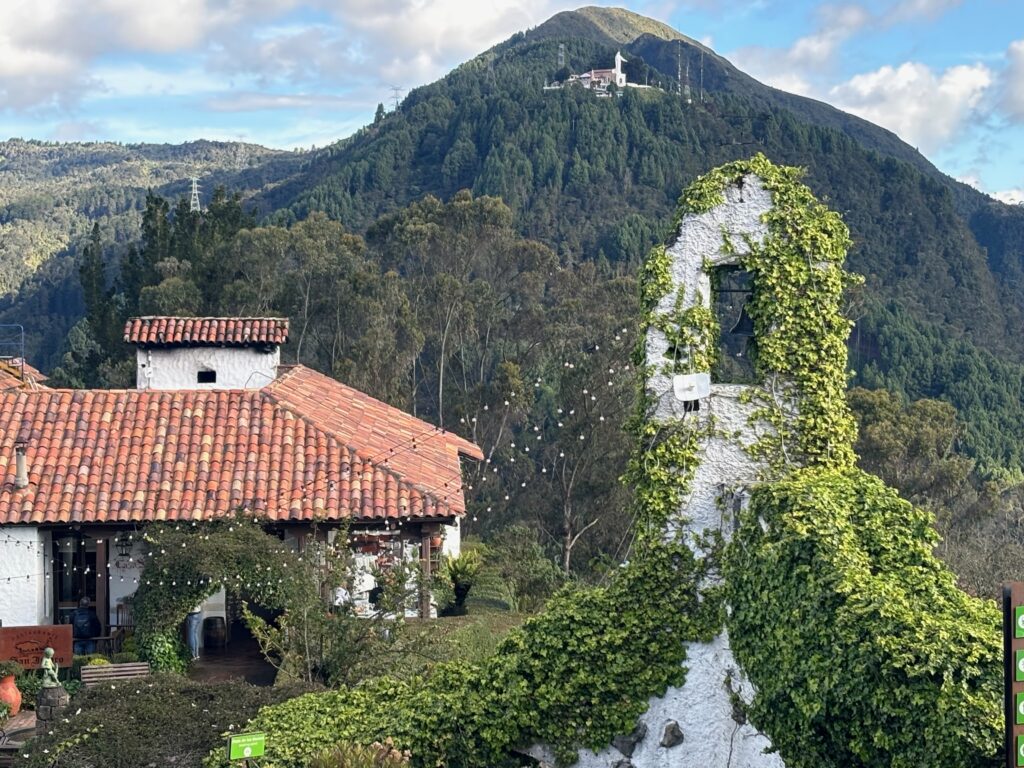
[[946, 75]]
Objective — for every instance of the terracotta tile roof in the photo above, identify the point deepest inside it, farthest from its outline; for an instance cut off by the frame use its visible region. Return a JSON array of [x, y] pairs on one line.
[[18, 374], [115, 455], [409, 446], [205, 331]]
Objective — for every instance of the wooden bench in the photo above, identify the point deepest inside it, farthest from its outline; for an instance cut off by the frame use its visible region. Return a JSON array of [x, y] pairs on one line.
[[98, 674]]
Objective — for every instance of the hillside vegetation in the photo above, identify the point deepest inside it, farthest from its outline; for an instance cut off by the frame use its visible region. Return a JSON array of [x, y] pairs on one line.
[[51, 194], [595, 180]]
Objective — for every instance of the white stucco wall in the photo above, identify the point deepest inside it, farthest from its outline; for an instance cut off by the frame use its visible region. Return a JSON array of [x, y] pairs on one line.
[[714, 736], [177, 368], [452, 546], [700, 241], [23, 559]]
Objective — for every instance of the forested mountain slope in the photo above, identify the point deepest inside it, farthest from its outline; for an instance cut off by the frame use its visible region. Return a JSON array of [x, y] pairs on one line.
[[52, 193], [596, 180]]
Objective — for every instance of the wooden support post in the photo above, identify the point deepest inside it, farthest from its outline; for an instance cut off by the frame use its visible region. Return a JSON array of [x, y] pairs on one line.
[[102, 606], [425, 554]]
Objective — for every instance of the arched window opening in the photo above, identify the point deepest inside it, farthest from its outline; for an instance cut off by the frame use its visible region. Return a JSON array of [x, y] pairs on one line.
[[732, 288]]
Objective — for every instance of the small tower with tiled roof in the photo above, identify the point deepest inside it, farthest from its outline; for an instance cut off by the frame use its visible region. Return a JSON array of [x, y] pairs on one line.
[[206, 352]]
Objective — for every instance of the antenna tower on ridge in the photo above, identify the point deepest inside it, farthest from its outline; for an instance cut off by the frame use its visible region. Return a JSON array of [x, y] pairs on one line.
[[194, 206], [679, 67], [396, 96], [702, 77]]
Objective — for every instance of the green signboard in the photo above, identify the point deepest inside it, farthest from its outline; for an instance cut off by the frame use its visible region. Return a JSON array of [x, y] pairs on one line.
[[1018, 621], [1019, 707], [1020, 750], [245, 745], [1018, 666]]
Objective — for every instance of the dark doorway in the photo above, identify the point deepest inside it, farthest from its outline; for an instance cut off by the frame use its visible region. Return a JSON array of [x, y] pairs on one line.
[[75, 575]]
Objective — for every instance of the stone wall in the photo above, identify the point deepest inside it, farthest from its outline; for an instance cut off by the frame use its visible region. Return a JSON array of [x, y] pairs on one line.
[[702, 724]]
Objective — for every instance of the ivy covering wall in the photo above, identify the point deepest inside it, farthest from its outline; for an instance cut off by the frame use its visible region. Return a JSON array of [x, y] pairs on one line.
[[863, 650]]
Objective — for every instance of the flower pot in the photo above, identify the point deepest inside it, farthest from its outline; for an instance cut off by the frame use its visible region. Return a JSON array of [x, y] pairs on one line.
[[10, 695], [436, 541]]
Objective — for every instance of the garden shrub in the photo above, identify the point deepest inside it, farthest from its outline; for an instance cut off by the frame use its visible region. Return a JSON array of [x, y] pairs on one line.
[[456, 578], [86, 660], [863, 651], [349, 755], [528, 575], [576, 675], [29, 685], [160, 720], [164, 650]]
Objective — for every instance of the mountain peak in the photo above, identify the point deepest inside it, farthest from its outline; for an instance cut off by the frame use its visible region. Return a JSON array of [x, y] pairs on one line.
[[613, 26]]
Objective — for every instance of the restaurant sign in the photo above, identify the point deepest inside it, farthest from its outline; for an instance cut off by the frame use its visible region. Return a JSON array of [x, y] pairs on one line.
[[25, 644]]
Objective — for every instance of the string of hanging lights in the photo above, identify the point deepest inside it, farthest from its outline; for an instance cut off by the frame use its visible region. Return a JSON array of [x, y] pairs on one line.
[[413, 443]]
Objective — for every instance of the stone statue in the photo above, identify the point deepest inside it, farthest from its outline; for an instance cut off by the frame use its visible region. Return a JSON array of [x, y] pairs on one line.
[[49, 667], [52, 698]]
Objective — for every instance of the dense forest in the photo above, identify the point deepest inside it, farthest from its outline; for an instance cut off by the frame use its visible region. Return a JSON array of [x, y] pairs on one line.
[[52, 194], [471, 255]]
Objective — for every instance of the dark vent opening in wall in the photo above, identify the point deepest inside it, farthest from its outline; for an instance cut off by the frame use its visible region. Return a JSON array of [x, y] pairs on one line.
[[731, 289], [206, 377]]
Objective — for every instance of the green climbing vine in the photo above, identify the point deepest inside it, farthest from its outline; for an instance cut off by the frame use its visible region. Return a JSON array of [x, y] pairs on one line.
[[576, 675], [189, 561], [665, 455], [864, 652], [655, 276]]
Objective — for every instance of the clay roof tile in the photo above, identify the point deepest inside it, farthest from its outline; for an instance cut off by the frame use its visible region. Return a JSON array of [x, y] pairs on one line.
[[292, 449], [206, 331]]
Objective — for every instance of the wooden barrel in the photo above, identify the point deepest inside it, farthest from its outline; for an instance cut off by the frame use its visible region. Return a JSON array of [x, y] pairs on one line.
[[215, 633]]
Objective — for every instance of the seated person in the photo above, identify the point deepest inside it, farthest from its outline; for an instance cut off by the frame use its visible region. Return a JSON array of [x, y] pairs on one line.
[[86, 625]]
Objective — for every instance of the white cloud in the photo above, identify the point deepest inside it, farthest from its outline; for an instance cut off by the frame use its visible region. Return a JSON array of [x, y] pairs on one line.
[[812, 54], [77, 130], [836, 25], [971, 179], [48, 47], [1012, 85], [924, 108], [134, 80], [252, 102], [404, 41], [290, 54], [909, 10], [1010, 196]]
